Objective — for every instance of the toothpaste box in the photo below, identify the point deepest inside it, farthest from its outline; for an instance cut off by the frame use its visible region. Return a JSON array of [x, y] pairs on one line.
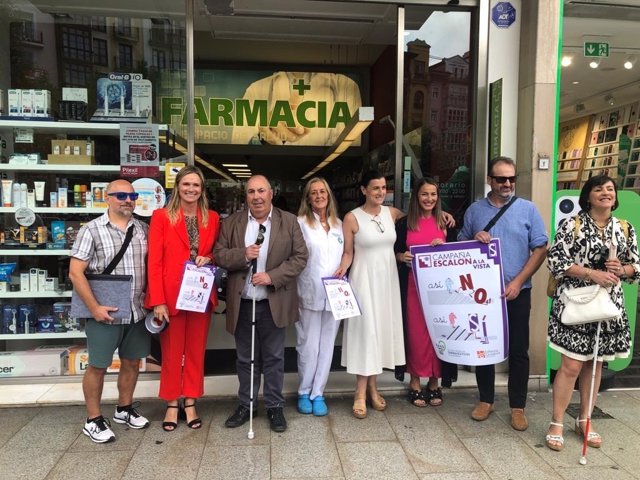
[[33, 363], [27, 102], [41, 103], [15, 101]]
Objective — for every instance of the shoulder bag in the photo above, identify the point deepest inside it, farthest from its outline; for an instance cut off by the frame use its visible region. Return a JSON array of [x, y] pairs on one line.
[[112, 290], [587, 304]]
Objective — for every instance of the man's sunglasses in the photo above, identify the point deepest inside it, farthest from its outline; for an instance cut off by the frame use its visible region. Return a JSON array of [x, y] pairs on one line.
[[502, 180], [122, 196]]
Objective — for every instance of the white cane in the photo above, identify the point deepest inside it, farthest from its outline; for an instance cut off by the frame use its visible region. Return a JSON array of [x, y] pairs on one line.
[[253, 348], [587, 427], [613, 252]]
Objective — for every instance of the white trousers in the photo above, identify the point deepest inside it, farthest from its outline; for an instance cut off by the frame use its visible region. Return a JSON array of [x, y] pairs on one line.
[[316, 332]]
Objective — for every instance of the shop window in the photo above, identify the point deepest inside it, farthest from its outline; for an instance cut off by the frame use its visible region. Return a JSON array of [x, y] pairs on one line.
[[100, 53], [75, 75], [123, 27], [125, 56], [76, 44], [159, 59], [99, 24], [418, 100]]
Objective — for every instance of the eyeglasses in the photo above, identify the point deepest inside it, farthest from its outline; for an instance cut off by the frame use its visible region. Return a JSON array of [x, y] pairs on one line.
[[502, 180], [122, 196], [378, 222]]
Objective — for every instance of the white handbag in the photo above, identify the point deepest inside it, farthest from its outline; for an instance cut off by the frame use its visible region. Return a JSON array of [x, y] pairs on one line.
[[587, 304]]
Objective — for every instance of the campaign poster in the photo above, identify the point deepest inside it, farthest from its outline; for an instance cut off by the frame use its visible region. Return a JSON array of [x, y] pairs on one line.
[[461, 288], [139, 153]]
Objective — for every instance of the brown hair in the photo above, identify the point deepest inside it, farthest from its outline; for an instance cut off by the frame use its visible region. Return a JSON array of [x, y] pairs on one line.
[[415, 212], [173, 207]]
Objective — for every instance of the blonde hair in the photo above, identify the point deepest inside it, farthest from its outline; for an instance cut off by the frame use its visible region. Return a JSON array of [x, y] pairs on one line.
[[305, 209], [173, 207], [415, 212]]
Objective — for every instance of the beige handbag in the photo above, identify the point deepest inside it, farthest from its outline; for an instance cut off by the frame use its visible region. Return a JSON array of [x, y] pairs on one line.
[[587, 304]]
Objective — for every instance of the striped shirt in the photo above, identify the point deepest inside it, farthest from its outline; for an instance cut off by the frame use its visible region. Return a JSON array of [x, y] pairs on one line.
[[99, 241]]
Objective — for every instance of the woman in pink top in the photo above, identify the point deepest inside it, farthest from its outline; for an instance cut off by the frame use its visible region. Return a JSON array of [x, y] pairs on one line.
[[424, 225]]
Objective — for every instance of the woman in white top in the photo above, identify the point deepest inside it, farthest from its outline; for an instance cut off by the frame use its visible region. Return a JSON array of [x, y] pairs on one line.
[[316, 330]]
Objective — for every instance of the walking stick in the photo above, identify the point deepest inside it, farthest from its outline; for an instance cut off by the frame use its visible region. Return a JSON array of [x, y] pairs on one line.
[[587, 427], [253, 351]]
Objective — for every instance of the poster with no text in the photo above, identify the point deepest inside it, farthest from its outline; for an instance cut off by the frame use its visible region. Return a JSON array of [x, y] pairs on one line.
[[461, 287]]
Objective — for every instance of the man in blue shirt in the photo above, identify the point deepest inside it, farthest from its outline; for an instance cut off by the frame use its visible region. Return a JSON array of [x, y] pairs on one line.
[[523, 241]]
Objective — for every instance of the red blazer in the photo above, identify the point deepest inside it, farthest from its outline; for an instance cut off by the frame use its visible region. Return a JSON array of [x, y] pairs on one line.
[[168, 250]]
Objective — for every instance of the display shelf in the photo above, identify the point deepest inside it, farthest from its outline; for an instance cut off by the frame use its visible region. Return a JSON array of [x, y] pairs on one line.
[[66, 294], [63, 168], [44, 252], [71, 210], [72, 128], [41, 336]]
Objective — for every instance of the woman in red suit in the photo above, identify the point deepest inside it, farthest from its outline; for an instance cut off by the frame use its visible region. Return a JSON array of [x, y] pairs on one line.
[[185, 230]]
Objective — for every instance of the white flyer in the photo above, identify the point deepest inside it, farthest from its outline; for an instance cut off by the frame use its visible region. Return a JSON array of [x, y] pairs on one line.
[[341, 299], [195, 290]]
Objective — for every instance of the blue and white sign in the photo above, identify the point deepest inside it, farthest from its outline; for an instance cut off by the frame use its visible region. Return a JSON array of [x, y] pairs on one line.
[[503, 14]]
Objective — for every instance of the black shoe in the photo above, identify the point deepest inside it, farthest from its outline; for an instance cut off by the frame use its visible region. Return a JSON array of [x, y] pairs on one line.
[[239, 417], [276, 419]]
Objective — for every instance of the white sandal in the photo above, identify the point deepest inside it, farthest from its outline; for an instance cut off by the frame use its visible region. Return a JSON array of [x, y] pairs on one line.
[[594, 440], [558, 440]]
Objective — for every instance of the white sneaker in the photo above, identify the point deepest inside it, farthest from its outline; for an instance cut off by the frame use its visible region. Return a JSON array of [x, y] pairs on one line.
[[98, 430], [130, 416]]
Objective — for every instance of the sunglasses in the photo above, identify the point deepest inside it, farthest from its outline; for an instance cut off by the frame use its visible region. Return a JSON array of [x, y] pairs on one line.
[[122, 196], [378, 222], [502, 180]]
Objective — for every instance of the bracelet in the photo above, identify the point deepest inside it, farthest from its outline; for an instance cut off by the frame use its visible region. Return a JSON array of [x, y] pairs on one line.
[[587, 274]]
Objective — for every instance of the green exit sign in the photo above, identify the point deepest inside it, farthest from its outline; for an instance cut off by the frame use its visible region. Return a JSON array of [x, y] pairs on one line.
[[596, 49]]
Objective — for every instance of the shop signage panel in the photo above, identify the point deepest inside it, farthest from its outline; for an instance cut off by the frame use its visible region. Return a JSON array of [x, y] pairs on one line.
[[265, 107]]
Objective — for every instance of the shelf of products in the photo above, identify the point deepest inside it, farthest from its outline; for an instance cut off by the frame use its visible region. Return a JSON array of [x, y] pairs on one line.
[[35, 303], [609, 144]]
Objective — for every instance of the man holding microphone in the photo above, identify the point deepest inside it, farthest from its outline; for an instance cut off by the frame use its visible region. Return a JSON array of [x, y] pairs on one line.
[[271, 241]]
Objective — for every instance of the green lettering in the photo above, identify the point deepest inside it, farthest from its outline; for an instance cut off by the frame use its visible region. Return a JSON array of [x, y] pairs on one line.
[[322, 114], [301, 114], [170, 106], [199, 112], [221, 111], [243, 110], [282, 113], [340, 113]]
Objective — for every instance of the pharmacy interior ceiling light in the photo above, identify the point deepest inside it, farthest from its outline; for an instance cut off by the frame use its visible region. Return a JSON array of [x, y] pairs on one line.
[[595, 63], [566, 60]]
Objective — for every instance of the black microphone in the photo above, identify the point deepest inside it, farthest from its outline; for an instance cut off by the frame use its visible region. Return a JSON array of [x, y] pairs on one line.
[[259, 240]]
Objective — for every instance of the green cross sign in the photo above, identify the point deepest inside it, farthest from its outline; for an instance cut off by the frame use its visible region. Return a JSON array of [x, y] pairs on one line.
[[596, 49]]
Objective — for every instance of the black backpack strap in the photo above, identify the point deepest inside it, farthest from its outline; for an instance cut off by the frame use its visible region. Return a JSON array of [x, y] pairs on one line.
[[497, 216], [120, 254]]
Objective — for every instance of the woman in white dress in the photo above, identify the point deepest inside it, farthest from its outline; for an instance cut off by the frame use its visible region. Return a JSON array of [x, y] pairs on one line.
[[317, 328], [374, 340]]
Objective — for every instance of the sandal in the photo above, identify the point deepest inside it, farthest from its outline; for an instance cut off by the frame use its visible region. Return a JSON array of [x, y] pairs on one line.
[[196, 422], [434, 397], [169, 426], [594, 440], [554, 442], [359, 408], [377, 403], [417, 398]]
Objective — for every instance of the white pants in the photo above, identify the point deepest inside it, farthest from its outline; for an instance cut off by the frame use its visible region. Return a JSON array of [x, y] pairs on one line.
[[316, 331]]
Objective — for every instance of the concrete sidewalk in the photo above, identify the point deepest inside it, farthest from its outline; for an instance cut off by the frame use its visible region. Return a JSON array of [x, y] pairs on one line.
[[404, 442]]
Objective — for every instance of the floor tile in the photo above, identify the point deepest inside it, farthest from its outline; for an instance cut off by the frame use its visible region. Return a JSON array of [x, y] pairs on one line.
[[375, 461], [241, 462]]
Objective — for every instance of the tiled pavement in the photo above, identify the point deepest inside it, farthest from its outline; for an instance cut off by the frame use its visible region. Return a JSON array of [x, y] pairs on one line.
[[404, 442]]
